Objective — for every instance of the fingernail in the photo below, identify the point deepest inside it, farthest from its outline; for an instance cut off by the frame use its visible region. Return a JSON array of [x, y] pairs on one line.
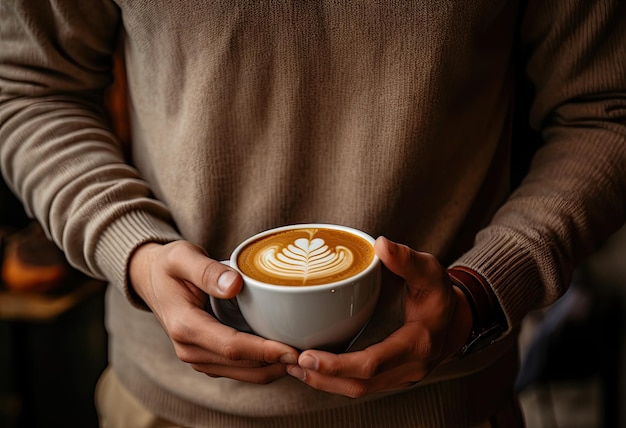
[[297, 372], [226, 280], [288, 359], [308, 362]]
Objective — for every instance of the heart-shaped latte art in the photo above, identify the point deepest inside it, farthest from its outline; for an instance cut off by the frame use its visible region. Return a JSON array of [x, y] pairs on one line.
[[304, 260]]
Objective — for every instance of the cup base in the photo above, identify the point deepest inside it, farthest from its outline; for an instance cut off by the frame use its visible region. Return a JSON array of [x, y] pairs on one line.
[[228, 313]]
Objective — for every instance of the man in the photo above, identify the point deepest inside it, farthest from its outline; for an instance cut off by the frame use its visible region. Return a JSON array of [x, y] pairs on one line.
[[391, 118]]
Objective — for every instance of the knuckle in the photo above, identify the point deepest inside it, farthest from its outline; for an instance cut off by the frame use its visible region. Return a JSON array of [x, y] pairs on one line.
[[184, 354], [209, 274], [230, 352], [431, 263], [178, 331], [175, 251], [333, 368], [370, 368], [423, 348], [269, 351]]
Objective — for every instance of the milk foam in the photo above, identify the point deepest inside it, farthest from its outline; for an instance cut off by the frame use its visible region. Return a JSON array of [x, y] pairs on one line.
[[304, 260]]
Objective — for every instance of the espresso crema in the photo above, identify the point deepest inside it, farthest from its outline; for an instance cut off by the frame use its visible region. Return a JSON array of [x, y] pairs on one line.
[[305, 256]]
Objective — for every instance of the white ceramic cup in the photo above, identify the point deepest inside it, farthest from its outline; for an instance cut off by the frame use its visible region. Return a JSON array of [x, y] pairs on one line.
[[327, 316]]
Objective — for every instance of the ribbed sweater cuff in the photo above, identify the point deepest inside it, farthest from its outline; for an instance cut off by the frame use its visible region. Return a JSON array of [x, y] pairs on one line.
[[121, 239], [509, 270]]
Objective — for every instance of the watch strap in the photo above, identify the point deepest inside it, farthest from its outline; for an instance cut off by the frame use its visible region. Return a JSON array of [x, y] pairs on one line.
[[489, 321]]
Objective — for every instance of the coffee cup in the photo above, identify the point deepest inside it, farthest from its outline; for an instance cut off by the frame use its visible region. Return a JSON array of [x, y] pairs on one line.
[[306, 285]]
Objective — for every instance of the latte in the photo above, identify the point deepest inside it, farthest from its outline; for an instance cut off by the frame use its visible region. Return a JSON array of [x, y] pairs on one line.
[[305, 256]]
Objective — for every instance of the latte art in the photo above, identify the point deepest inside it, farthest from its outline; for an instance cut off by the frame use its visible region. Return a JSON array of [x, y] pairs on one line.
[[304, 260], [307, 256]]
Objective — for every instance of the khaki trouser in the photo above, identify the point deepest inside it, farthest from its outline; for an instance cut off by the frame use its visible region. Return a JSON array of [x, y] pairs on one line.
[[118, 408]]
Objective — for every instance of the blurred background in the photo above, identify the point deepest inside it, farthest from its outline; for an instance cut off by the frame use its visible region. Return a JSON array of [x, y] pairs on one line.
[[573, 372], [52, 336]]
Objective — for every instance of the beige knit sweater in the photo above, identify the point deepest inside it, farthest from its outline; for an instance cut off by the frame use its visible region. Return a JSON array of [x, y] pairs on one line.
[[392, 117]]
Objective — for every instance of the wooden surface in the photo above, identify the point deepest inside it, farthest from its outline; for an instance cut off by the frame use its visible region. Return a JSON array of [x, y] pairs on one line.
[[15, 306]]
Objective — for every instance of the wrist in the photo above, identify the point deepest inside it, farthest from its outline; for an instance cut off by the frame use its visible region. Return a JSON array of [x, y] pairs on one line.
[[488, 319], [464, 319], [139, 271]]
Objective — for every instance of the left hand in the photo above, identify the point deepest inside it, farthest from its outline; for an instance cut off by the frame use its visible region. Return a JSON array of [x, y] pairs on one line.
[[437, 322]]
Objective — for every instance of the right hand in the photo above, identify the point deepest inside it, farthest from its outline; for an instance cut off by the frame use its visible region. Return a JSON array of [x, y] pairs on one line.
[[174, 280]]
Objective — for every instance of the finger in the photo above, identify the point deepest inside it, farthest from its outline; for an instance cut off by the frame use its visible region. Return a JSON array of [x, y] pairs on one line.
[[262, 375], [390, 365], [349, 387], [397, 349], [399, 378], [197, 328], [195, 355], [188, 262]]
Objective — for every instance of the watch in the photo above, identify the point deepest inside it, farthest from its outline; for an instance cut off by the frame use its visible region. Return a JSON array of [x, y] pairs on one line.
[[489, 322], [480, 339]]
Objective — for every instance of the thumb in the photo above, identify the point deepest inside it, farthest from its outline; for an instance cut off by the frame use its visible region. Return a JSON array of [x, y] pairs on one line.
[[190, 263], [419, 269], [398, 258]]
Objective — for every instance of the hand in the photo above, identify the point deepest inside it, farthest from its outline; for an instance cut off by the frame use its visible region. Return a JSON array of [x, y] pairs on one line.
[[437, 322], [174, 280]]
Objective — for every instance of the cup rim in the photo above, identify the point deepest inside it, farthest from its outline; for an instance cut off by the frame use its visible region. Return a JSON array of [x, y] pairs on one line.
[[303, 289]]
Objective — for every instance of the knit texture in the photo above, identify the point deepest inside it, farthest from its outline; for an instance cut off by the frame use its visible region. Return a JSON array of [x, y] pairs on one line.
[[390, 117]]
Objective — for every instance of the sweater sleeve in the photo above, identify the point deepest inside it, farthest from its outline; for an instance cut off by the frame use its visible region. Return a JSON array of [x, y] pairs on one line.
[[57, 149], [574, 195]]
